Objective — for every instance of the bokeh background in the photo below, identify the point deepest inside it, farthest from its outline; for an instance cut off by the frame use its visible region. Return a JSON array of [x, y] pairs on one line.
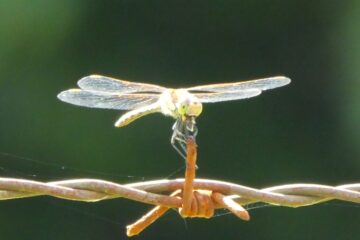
[[305, 132]]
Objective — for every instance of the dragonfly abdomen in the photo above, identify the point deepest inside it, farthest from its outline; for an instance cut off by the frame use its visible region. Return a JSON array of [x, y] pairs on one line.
[[131, 116]]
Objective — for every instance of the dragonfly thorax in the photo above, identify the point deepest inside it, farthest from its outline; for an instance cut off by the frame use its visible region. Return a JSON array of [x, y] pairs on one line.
[[180, 103]]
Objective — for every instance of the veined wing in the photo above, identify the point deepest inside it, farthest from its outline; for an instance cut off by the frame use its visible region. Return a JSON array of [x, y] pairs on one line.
[[261, 84], [94, 99], [212, 97], [112, 85]]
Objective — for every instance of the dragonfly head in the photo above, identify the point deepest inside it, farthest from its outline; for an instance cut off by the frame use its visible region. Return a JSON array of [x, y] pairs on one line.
[[190, 107], [179, 103]]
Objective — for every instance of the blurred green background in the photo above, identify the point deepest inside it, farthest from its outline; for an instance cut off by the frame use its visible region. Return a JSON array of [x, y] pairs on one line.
[[306, 132]]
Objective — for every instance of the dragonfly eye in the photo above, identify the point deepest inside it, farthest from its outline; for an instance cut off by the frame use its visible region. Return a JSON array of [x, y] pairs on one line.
[[189, 108], [183, 109], [194, 109]]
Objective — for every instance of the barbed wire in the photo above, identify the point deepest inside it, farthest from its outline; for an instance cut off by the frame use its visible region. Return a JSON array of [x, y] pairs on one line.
[[92, 190], [193, 197]]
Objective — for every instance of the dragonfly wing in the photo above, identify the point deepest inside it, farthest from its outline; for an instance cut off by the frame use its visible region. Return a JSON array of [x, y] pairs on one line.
[[226, 96], [262, 84], [107, 84], [94, 99]]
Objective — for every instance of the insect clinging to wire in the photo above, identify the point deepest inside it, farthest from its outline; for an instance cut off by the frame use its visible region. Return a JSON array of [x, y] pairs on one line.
[[183, 104]]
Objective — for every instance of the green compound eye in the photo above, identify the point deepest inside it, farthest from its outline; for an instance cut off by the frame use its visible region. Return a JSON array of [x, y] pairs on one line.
[[182, 109]]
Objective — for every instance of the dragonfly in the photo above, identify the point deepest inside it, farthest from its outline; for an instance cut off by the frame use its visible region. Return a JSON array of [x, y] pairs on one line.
[[183, 104]]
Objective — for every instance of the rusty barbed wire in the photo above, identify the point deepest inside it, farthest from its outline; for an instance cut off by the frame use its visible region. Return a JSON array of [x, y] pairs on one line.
[[91, 190], [193, 197]]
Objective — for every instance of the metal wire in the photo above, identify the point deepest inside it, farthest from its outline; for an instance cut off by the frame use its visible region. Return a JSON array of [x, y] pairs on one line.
[[91, 190]]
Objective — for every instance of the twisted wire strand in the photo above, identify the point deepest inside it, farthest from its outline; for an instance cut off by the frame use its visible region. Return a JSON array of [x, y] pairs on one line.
[[91, 190]]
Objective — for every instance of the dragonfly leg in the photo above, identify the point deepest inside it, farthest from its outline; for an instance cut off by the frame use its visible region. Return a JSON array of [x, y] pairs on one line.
[[179, 143], [181, 133], [195, 131], [178, 149]]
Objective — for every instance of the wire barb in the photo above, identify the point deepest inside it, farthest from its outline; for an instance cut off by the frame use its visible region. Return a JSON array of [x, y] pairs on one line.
[[185, 210]]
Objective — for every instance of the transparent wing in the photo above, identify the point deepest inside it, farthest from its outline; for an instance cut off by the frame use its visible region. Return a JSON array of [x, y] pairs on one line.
[[95, 99], [226, 96], [107, 84], [262, 84]]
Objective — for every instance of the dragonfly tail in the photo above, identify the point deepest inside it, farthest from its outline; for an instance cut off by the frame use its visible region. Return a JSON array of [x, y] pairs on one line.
[[131, 116]]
